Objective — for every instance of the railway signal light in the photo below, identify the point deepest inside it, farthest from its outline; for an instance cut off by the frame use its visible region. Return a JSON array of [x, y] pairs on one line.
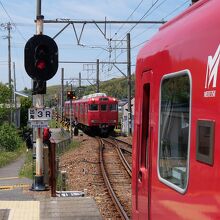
[[71, 95], [41, 57], [74, 95]]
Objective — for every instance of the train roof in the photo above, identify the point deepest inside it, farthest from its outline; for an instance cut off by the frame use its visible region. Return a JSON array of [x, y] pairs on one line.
[[94, 97], [184, 36]]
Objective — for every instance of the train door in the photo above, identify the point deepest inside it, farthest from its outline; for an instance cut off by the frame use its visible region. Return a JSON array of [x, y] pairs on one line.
[[144, 162]]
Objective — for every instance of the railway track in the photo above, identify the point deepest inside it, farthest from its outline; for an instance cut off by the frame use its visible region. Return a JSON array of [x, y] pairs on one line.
[[124, 152], [116, 178]]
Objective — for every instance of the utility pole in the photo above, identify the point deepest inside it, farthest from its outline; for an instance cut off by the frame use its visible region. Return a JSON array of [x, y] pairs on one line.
[[38, 99], [71, 111], [80, 84], [80, 80], [97, 77], [14, 86], [8, 27], [62, 92], [9, 53], [14, 98], [129, 82]]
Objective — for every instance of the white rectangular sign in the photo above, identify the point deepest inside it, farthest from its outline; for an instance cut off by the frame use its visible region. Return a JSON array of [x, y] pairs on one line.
[[39, 124], [38, 114]]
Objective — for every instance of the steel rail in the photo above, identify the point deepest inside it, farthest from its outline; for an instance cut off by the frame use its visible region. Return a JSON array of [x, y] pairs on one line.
[[129, 149], [108, 184], [122, 157]]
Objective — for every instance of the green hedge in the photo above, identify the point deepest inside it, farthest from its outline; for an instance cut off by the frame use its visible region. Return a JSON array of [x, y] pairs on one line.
[[9, 138]]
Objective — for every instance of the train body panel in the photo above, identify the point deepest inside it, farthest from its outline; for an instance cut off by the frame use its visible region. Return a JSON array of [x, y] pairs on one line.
[[97, 114], [176, 153]]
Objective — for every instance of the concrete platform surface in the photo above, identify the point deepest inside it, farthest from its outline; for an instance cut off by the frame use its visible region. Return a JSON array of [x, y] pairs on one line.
[[77, 208], [59, 208]]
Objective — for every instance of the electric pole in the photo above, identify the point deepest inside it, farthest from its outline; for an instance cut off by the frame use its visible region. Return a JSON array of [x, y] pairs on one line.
[[129, 83], [97, 77], [80, 84], [14, 98], [9, 53], [8, 27], [62, 92]]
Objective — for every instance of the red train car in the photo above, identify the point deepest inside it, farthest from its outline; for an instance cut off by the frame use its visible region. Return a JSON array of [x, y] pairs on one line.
[[176, 149], [95, 114]]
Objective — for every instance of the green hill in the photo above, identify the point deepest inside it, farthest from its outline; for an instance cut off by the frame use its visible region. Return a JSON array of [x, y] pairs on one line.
[[116, 87]]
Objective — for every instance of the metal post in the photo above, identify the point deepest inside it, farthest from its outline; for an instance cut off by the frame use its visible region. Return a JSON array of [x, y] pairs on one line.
[[80, 84], [53, 169], [15, 102], [14, 99], [129, 82], [62, 92], [97, 79], [71, 111], [9, 53], [9, 67], [38, 99]]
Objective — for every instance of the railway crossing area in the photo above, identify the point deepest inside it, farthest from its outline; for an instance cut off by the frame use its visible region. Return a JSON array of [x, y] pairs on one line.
[[18, 202]]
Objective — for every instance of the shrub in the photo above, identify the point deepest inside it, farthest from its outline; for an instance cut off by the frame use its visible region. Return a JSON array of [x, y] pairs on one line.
[[9, 138]]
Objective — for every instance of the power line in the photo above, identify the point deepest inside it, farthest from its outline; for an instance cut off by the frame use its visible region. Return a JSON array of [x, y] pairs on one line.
[[129, 17], [12, 21], [177, 8], [180, 6], [140, 20]]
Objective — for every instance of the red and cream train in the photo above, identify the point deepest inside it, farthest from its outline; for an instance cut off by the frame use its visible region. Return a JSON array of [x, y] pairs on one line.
[[95, 114], [176, 148]]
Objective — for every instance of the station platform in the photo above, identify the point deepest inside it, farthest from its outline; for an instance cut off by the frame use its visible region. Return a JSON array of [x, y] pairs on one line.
[[58, 208]]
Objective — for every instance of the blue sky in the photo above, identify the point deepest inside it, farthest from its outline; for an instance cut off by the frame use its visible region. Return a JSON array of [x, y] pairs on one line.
[[22, 15]]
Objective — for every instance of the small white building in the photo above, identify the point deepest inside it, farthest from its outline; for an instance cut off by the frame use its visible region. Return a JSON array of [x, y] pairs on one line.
[[124, 118]]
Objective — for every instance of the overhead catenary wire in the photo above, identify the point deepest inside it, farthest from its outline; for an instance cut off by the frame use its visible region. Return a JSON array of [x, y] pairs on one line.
[[170, 13]]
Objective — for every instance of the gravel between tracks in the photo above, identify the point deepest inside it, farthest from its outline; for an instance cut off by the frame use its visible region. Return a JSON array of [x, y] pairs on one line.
[[83, 170]]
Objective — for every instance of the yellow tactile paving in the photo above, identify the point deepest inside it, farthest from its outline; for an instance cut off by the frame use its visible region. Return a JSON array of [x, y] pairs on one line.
[[22, 210]]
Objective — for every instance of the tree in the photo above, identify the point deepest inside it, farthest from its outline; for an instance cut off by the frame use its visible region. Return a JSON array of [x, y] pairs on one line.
[[25, 105], [4, 102]]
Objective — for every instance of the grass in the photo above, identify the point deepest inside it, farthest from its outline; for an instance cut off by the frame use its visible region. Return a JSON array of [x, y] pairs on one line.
[[7, 157], [54, 124], [27, 169], [72, 145]]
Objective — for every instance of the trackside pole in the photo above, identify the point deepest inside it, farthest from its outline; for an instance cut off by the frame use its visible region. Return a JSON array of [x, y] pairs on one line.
[[38, 100]]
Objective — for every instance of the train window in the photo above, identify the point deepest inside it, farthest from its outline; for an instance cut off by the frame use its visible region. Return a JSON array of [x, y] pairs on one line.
[[93, 107], [174, 130], [104, 107], [204, 142], [81, 108], [113, 107]]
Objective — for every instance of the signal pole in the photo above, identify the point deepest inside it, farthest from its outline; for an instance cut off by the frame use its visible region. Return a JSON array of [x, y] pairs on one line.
[[38, 99]]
